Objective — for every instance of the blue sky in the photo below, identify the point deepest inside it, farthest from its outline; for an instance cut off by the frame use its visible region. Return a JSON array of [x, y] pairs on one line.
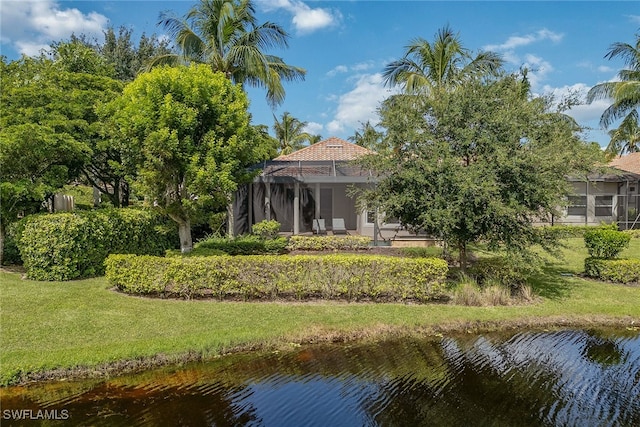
[[344, 45]]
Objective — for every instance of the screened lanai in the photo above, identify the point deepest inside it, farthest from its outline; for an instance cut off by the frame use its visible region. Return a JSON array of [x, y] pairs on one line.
[[315, 182]]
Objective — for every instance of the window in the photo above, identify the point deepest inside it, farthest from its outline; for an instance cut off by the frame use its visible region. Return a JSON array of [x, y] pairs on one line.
[[577, 205], [604, 205]]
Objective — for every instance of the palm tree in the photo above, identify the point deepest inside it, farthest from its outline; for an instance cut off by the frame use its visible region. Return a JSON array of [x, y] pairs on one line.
[[624, 93], [369, 138], [626, 138], [225, 35], [432, 67], [290, 133]]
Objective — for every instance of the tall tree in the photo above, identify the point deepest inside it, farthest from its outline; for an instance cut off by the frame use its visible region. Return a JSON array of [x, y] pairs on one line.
[[225, 35], [127, 59], [480, 163], [435, 67], [46, 119], [626, 138], [191, 128], [369, 138], [624, 93], [290, 133]]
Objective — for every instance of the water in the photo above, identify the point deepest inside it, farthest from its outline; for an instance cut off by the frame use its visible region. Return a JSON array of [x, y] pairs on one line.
[[553, 378]]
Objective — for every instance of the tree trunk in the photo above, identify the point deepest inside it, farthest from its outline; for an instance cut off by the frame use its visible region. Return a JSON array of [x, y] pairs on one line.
[[462, 248], [230, 216], [184, 231]]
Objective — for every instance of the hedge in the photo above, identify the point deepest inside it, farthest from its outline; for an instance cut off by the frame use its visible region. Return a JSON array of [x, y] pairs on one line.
[[243, 245], [336, 276], [605, 243], [66, 246], [322, 243], [567, 231], [613, 270]]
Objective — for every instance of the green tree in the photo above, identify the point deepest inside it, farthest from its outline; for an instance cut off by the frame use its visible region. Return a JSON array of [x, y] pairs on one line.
[[624, 93], [432, 68], [290, 133], [127, 59], [191, 127], [46, 119], [225, 35], [108, 167], [626, 137], [481, 163], [369, 138]]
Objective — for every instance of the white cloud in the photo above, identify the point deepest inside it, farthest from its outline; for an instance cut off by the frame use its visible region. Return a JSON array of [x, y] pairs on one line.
[[337, 70], [313, 128], [514, 42], [360, 104], [305, 19], [634, 18], [32, 25], [605, 69], [538, 69]]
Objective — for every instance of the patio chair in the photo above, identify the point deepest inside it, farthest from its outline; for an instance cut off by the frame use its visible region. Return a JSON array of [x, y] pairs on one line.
[[339, 227], [318, 226]]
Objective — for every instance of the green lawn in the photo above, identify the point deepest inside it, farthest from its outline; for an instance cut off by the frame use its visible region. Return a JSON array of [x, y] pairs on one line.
[[47, 325]]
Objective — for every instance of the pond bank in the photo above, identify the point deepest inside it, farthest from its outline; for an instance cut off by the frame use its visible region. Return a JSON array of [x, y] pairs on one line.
[[377, 333]]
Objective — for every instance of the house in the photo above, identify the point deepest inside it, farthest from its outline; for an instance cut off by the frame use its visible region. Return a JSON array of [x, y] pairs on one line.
[[318, 181], [606, 197]]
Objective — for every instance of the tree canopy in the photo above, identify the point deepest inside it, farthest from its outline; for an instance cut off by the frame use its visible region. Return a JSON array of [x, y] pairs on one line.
[[189, 128], [225, 35], [480, 163], [290, 133], [625, 96]]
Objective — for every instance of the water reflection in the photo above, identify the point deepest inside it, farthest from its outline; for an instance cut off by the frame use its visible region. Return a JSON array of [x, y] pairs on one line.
[[564, 378]]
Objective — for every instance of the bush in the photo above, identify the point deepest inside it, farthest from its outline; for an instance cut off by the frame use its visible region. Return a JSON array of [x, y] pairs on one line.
[[567, 231], [509, 272], [339, 276], [605, 243], [613, 270], [66, 246], [323, 243], [243, 245], [266, 229]]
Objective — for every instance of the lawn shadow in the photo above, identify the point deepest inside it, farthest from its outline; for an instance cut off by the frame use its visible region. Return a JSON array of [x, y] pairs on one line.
[[552, 282]]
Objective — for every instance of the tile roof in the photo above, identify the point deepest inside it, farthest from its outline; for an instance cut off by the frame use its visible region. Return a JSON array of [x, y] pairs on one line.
[[330, 149], [629, 163]]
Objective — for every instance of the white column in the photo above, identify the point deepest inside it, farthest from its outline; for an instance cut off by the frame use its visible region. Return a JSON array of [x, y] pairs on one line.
[[296, 208], [267, 201]]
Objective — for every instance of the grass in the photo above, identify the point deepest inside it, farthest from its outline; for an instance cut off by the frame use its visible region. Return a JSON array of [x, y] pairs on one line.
[[83, 324]]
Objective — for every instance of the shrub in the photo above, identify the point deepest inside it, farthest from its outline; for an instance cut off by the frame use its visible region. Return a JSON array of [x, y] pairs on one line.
[[244, 245], [613, 270], [568, 231], [469, 293], [418, 252], [323, 243], [605, 243], [339, 276], [66, 246], [505, 271], [266, 229]]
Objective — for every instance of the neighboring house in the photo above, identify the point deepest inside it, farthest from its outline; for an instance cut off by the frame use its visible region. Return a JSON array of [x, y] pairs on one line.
[[610, 197], [317, 181]]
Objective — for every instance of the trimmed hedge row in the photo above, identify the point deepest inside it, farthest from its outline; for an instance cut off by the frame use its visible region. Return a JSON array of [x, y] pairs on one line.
[[567, 231], [350, 277], [66, 246], [322, 243], [613, 270], [243, 245]]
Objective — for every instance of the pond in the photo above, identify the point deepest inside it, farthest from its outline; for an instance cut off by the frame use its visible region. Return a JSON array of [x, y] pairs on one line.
[[531, 378]]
